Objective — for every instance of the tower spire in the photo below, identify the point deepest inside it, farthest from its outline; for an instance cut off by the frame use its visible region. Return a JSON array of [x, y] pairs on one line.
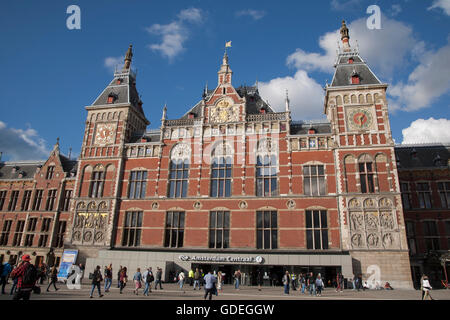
[[225, 71], [128, 57], [287, 101], [345, 36]]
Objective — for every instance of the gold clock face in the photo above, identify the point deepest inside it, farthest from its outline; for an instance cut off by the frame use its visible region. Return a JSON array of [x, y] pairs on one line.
[[105, 134], [360, 119], [224, 111]]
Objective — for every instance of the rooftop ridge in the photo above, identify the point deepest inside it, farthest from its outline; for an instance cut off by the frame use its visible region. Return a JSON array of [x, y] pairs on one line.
[[422, 144]]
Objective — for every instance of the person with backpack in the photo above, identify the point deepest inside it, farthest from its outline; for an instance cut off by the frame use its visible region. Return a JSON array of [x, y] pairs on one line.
[[96, 280], [123, 278], [158, 278], [237, 279], [53, 279], [118, 277], [303, 282], [312, 284], [5, 270], [181, 278], [148, 278], [26, 275], [108, 277]]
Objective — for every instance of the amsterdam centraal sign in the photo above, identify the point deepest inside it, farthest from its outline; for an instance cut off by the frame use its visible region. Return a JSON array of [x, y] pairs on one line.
[[230, 259]]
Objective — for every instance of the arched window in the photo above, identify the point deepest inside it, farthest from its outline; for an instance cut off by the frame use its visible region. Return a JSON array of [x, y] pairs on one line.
[[366, 175], [266, 169], [179, 171], [97, 182], [221, 166]]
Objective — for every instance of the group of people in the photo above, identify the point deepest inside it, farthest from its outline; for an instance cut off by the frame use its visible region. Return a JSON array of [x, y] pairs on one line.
[[307, 282], [141, 279]]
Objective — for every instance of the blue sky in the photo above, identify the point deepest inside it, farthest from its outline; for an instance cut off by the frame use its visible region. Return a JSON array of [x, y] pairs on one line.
[[50, 73]]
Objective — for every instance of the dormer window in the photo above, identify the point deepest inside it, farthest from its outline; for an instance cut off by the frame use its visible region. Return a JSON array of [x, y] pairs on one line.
[[350, 60], [111, 98], [263, 111], [355, 78], [119, 81], [311, 131], [190, 115]]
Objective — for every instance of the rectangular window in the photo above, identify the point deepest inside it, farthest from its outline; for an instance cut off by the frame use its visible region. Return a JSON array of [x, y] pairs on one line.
[[219, 229], [266, 176], [2, 198], [316, 229], [28, 240], [26, 200], [97, 182], [406, 195], [66, 200], [18, 233], [314, 180], [221, 177], [51, 197], [46, 223], [31, 227], [50, 172], [60, 234], [266, 230], [424, 195], [138, 184], [37, 200], [5, 232], [366, 177], [411, 235], [174, 231], [13, 200], [43, 238], [444, 193], [132, 229], [431, 235]]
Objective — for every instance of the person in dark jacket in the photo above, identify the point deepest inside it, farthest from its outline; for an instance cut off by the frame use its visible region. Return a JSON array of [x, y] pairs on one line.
[[96, 280], [4, 275], [123, 278], [259, 279], [23, 289], [53, 279]]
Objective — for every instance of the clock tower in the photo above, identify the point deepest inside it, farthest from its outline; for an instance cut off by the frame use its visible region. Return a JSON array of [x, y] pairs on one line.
[[369, 200], [115, 118]]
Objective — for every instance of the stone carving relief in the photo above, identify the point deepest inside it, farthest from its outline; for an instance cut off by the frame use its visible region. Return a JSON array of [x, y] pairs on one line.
[[372, 220], [387, 221], [388, 240], [357, 240], [369, 203], [290, 204], [197, 205], [155, 205], [357, 221], [353, 203], [90, 226], [372, 240], [243, 205], [385, 202]]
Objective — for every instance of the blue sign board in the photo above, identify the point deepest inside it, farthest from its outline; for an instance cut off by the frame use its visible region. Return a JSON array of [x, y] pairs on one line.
[[69, 258]]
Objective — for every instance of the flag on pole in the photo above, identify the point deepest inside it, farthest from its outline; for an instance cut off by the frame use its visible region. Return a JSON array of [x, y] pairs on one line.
[[228, 44]]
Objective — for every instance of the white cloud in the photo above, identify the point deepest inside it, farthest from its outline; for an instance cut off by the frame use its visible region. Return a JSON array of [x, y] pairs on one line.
[[255, 14], [428, 81], [344, 5], [19, 144], [427, 131], [305, 95], [113, 62], [396, 9], [443, 4], [175, 33], [394, 37]]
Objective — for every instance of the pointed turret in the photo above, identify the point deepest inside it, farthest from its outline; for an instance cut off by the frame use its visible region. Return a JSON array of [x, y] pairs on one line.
[[128, 58], [225, 71], [287, 109], [345, 36]]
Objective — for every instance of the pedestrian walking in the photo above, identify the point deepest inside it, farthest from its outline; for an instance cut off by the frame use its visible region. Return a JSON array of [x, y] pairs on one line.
[[26, 275], [6, 270], [96, 280], [219, 280], [118, 277], [108, 277], [197, 278], [158, 278], [303, 282], [148, 278], [286, 281], [137, 281], [237, 279], [123, 278], [53, 279], [259, 279], [210, 284], [181, 278], [191, 277], [319, 285], [311, 284], [339, 282], [426, 287]]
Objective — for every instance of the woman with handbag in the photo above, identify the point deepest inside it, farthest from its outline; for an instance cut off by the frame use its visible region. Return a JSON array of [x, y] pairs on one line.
[[53, 279], [137, 280], [123, 278], [426, 287]]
